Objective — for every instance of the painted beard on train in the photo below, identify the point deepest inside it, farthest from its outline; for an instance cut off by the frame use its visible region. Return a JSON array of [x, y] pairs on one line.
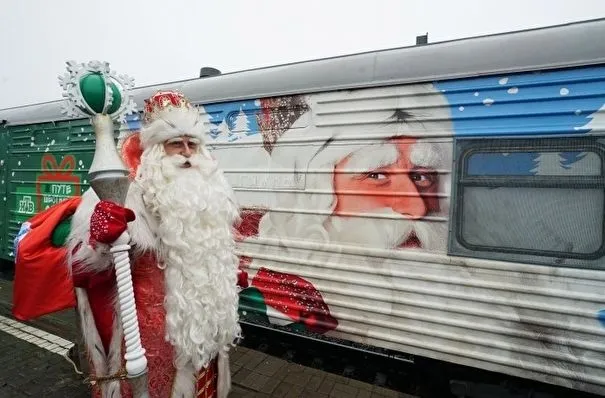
[[390, 230], [195, 212], [381, 228]]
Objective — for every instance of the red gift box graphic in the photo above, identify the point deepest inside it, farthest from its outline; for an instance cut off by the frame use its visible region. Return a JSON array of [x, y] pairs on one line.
[[57, 181]]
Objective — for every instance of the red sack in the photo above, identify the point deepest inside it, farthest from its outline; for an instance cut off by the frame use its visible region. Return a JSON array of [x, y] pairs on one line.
[[42, 283]]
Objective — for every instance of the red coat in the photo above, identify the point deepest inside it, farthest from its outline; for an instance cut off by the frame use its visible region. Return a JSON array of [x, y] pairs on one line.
[[149, 292]]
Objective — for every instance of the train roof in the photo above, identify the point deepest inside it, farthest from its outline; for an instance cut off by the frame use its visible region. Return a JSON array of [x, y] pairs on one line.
[[567, 45]]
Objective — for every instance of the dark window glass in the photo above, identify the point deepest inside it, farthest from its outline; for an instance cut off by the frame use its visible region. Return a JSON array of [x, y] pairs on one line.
[[530, 197]]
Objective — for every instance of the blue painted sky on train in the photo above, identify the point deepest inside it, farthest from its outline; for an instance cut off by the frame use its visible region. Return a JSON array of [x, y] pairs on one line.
[[558, 102], [523, 163], [238, 117], [544, 103]]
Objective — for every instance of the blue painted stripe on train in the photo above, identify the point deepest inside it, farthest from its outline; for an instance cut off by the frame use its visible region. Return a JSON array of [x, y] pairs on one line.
[[534, 103]]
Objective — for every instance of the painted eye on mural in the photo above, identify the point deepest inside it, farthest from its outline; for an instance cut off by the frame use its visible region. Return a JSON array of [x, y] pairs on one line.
[[423, 178], [377, 176]]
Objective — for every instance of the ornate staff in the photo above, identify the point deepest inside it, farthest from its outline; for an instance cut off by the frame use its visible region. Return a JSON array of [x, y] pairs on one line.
[[95, 91]]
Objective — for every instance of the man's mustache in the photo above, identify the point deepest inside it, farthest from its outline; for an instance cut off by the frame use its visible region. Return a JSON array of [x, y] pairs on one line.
[[180, 160], [196, 161]]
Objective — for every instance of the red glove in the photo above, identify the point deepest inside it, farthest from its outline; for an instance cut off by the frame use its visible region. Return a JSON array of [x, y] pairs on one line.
[[109, 221]]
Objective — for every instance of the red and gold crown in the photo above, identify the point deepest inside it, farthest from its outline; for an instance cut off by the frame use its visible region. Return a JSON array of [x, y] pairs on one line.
[[161, 101], [169, 114]]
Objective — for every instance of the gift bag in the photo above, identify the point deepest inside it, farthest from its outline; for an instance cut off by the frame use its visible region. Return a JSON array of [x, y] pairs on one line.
[[42, 283]]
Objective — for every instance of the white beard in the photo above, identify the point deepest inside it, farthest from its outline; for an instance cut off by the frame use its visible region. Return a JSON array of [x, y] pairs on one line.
[[196, 211], [386, 233]]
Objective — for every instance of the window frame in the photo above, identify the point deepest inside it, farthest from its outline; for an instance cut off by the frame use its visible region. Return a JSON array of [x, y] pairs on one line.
[[465, 148]]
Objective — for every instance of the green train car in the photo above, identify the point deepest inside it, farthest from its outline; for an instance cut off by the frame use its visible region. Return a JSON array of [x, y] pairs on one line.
[[42, 164]]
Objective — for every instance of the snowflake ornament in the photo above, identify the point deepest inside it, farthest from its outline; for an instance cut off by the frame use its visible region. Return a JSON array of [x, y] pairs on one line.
[[93, 88]]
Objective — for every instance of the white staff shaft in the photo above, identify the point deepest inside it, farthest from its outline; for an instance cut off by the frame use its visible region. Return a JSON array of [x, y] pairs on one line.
[[136, 363], [110, 182]]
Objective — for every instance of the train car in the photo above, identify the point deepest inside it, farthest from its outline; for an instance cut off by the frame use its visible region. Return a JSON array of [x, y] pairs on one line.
[[443, 201]]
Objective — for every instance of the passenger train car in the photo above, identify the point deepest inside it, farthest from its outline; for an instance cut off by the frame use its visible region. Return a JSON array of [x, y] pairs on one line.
[[445, 201]]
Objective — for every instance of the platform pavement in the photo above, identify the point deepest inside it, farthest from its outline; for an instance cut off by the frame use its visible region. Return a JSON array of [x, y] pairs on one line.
[[28, 370], [262, 375]]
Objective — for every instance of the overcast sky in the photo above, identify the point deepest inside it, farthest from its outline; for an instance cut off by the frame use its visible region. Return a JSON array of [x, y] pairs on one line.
[[158, 41]]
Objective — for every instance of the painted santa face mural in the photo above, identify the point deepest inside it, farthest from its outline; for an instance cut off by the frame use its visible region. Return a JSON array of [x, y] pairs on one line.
[[341, 179], [399, 178], [381, 182]]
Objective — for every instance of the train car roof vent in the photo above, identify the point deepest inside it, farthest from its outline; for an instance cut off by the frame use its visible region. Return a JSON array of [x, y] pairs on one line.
[[422, 40], [208, 71]]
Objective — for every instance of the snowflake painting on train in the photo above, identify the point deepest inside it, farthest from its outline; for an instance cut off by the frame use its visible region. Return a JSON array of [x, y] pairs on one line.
[[374, 180]]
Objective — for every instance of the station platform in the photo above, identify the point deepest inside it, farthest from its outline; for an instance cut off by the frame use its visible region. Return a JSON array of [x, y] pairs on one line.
[[36, 362]]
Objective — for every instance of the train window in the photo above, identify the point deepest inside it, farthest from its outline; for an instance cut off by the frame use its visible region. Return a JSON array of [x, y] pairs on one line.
[[537, 200]]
